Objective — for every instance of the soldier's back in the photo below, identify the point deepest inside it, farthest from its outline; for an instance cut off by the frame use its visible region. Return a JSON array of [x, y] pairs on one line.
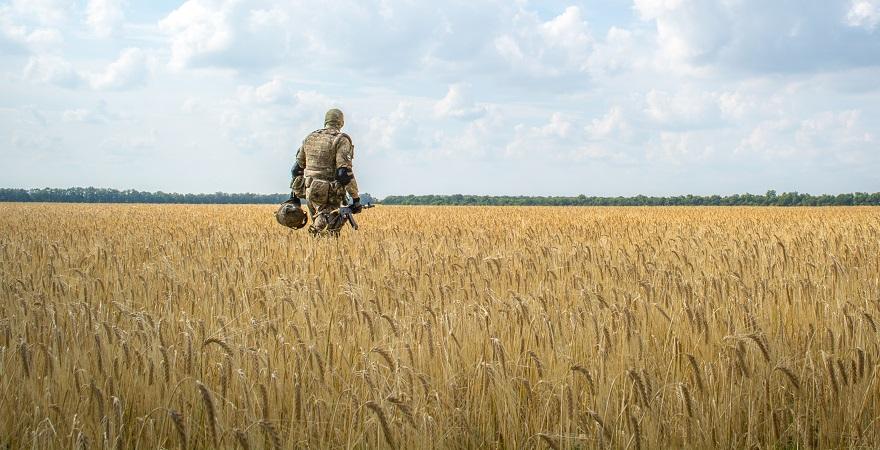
[[320, 153]]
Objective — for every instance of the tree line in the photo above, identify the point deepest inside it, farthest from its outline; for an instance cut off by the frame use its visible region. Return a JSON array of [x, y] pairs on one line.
[[101, 195], [770, 198]]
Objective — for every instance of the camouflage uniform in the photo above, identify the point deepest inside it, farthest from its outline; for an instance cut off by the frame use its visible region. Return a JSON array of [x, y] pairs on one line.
[[322, 154]]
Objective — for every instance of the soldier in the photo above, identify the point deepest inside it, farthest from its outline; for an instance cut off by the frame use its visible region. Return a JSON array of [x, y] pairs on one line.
[[322, 174]]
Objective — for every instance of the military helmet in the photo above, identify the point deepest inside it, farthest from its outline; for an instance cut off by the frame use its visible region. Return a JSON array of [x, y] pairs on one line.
[[291, 216], [334, 118]]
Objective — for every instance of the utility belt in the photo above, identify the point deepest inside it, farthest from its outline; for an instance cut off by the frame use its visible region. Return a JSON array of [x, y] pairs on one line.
[[321, 191]]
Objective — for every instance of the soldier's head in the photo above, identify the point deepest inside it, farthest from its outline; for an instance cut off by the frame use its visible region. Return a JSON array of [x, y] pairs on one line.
[[334, 118]]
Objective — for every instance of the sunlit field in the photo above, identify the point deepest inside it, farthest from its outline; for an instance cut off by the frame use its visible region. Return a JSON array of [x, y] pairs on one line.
[[141, 326]]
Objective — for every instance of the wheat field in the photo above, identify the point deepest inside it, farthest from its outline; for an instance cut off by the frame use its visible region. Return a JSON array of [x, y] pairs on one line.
[[144, 327]]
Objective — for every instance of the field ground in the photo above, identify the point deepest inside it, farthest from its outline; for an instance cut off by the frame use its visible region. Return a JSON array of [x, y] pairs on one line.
[[140, 326]]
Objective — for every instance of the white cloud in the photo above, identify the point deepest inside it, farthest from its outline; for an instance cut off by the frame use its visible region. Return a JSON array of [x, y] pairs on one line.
[[269, 118], [100, 114], [42, 38], [398, 132], [482, 138], [127, 147], [611, 124], [680, 148], [52, 70], [275, 91], [620, 50], [20, 35], [864, 14], [559, 46], [129, 70], [197, 28], [685, 107], [688, 31], [652, 9], [770, 138], [78, 115], [569, 31], [226, 33], [550, 140], [46, 12], [191, 105], [104, 16], [34, 141], [458, 104], [758, 36], [834, 136], [830, 129]]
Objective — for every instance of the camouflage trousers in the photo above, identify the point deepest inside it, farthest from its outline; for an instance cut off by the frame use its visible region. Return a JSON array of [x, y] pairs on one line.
[[325, 220]]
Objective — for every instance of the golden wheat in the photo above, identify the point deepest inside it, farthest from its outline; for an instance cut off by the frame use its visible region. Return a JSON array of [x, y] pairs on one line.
[[440, 327]]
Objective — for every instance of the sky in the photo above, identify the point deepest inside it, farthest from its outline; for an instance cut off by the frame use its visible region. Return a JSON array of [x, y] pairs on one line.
[[603, 97]]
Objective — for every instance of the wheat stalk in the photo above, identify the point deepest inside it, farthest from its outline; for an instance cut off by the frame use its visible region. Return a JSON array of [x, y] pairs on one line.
[[380, 414], [208, 401]]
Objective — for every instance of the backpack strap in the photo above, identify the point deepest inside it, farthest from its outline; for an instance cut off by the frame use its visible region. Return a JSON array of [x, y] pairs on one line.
[[339, 137]]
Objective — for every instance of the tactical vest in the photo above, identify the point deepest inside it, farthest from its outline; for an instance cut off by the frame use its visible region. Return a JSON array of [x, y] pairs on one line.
[[320, 152], [320, 171]]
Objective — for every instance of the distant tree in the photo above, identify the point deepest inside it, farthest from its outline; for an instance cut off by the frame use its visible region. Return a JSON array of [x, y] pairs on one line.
[[100, 195], [769, 199]]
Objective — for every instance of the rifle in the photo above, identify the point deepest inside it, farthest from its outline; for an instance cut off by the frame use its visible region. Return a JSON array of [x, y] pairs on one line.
[[346, 214]]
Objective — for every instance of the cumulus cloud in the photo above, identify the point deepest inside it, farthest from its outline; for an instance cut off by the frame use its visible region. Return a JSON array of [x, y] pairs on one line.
[[18, 35], [568, 31], [21, 38], [548, 139], [100, 114], [34, 141], [458, 104], [402, 37], [54, 70], [611, 124], [130, 69], [753, 35], [835, 136], [555, 47], [620, 50], [198, 28], [680, 147], [276, 91], [271, 117], [46, 12], [104, 16], [225, 33], [864, 13], [396, 132], [126, 148], [682, 108]]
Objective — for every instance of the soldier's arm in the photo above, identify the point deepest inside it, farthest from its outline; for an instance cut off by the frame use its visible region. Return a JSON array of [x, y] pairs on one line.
[[344, 158], [301, 158], [352, 188], [297, 183]]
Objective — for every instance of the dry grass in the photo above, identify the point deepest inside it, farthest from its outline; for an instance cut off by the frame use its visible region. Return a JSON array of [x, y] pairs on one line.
[[184, 326]]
